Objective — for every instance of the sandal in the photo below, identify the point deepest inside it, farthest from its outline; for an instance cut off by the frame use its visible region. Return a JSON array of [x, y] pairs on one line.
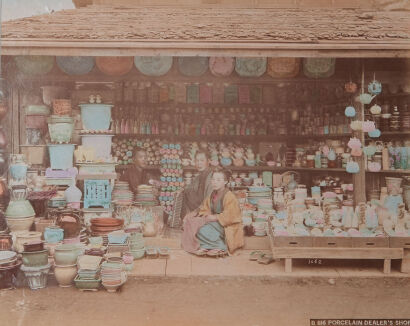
[[266, 259], [216, 253], [255, 255], [200, 252]]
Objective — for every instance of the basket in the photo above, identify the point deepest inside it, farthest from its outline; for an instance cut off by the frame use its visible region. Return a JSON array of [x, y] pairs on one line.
[[62, 107]]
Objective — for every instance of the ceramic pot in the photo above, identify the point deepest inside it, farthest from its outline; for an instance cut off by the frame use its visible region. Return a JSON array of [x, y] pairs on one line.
[[53, 234], [115, 66], [36, 276], [35, 258], [101, 145], [50, 93], [393, 185], [65, 274], [66, 254], [61, 156], [76, 65], [36, 245], [20, 224], [5, 242], [153, 66], [96, 116], [138, 253], [34, 64], [60, 128]]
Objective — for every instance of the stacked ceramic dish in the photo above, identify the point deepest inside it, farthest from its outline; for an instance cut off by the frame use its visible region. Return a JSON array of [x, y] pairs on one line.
[[137, 245], [121, 194], [259, 228], [117, 242], [103, 226], [405, 120], [9, 265], [88, 275], [145, 196], [112, 275], [257, 193]]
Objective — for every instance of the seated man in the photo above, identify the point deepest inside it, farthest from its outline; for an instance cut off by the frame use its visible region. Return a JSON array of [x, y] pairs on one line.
[[200, 187], [135, 175], [217, 228]]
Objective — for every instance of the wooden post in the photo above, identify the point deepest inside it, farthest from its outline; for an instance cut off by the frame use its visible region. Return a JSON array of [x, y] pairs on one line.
[[15, 121], [405, 262], [387, 266], [288, 265], [359, 179]]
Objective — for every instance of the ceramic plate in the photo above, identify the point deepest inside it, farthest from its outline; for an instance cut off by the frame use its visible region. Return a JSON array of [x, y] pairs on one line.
[[153, 66]]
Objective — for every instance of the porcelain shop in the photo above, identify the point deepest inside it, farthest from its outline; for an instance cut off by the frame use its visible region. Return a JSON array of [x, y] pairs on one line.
[[316, 136]]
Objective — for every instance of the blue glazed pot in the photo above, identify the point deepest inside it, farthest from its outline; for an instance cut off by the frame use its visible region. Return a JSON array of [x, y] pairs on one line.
[[53, 235], [18, 171], [76, 65], [61, 156], [96, 116]]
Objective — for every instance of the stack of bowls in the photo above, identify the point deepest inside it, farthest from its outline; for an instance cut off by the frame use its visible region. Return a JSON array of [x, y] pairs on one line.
[[35, 264], [65, 269], [9, 265], [145, 196], [121, 194], [103, 226], [112, 275], [137, 245], [117, 242], [88, 277]]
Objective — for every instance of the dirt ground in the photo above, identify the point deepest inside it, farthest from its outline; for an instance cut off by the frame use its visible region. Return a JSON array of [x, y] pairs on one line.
[[200, 301]]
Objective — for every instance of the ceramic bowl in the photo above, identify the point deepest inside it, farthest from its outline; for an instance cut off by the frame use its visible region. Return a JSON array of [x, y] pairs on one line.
[[247, 181], [36, 245], [65, 274], [20, 224], [66, 254], [138, 254]]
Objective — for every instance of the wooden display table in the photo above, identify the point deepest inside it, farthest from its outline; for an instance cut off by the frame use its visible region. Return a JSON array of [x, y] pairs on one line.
[[402, 242], [289, 247]]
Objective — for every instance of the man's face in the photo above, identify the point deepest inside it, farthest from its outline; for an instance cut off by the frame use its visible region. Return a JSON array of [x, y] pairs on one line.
[[201, 162], [140, 159]]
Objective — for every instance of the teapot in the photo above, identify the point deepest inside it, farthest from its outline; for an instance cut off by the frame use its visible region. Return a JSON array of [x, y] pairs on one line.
[[352, 167], [365, 98], [351, 87], [350, 111], [375, 109], [375, 133]]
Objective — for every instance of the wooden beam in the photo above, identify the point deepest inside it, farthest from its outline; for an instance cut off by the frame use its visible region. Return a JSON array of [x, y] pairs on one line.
[[195, 48]]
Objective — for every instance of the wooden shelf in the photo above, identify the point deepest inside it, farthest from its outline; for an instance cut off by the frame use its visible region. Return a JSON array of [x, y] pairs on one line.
[[96, 176], [254, 138], [252, 168], [391, 172]]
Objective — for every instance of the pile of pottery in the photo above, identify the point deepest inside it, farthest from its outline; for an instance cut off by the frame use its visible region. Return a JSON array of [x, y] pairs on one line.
[[65, 258], [9, 264], [35, 264], [113, 275], [137, 245], [121, 194], [103, 226], [88, 275], [145, 196], [259, 193]]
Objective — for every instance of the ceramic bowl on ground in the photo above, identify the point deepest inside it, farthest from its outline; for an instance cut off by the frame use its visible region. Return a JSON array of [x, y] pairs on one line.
[[138, 253], [19, 224], [36, 258], [65, 274]]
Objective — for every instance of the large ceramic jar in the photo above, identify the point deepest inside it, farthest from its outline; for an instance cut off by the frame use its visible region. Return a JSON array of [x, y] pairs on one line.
[[53, 234], [96, 116], [65, 274]]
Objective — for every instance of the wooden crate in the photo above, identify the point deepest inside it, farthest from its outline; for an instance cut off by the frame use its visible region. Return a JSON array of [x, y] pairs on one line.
[[332, 242], [370, 242], [399, 242]]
